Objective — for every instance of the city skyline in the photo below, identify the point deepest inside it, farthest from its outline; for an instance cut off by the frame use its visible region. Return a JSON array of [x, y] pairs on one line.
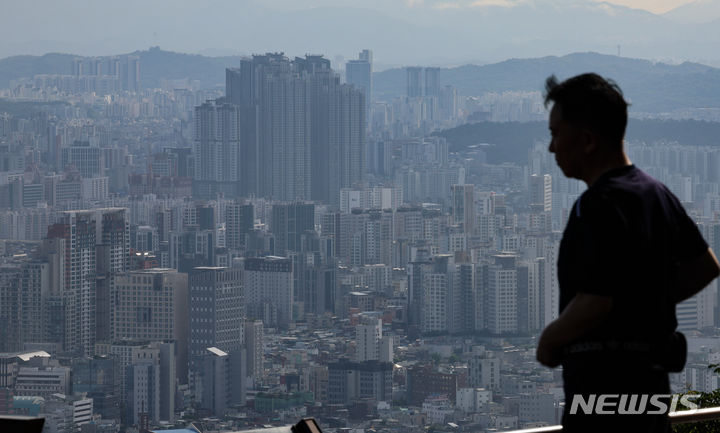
[[295, 231]]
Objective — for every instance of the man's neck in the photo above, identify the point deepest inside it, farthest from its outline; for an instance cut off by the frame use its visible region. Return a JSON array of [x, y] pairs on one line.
[[604, 165]]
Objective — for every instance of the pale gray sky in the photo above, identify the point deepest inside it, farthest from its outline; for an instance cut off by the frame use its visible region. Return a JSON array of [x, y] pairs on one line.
[[438, 32]]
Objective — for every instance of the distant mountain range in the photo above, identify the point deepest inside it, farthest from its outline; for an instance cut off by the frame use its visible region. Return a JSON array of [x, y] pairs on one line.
[[651, 87], [155, 64], [510, 141]]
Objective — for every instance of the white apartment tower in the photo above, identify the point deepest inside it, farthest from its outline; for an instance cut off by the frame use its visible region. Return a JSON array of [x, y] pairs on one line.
[[371, 345], [502, 295]]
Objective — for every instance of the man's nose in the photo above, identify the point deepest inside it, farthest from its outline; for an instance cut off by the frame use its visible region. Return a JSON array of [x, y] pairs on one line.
[[551, 148]]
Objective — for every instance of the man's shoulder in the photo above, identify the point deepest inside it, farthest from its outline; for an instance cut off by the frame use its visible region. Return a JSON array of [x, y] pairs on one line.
[[632, 185]]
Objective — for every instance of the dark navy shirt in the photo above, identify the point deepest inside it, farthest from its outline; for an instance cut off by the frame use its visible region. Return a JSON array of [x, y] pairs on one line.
[[624, 238]]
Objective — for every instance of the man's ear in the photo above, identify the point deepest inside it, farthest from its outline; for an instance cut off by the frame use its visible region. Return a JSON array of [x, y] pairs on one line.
[[588, 140]]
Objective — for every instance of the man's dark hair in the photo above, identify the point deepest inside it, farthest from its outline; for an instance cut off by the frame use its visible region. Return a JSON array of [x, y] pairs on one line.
[[592, 102]]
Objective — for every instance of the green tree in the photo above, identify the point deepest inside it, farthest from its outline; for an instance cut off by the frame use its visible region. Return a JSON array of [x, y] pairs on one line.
[[706, 399]]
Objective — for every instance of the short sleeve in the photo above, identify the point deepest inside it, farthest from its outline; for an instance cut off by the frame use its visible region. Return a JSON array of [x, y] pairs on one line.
[[689, 242]]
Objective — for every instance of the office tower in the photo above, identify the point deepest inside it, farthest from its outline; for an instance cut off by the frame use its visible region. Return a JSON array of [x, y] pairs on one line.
[[215, 375], [350, 381], [96, 378], [86, 158], [302, 132], [268, 283], [217, 317], [289, 223], [121, 353], [239, 222], [216, 309], [161, 316], [142, 402], [463, 206], [216, 148], [413, 75], [93, 239], [359, 73], [432, 82]]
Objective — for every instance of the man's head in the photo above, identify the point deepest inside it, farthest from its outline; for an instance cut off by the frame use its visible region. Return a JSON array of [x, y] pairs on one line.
[[587, 121]]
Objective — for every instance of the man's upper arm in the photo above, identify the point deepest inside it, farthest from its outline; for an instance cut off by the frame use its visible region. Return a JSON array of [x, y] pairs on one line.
[[696, 265], [692, 275]]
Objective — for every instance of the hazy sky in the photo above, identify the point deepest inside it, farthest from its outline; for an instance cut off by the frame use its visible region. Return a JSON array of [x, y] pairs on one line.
[[399, 31], [655, 6]]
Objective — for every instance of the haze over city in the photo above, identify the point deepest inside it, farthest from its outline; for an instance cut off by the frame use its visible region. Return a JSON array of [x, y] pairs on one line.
[[226, 215]]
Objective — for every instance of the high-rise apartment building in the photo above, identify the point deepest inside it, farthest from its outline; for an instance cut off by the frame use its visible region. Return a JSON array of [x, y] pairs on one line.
[[359, 73], [302, 132], [541, 191], [254, 335], [371, 344], [463, 206], [239, 222], [217, 146], [414, 74], [128, 70], [289, 223], [10, 308], [502, 294], [432, 82], [96, 244]]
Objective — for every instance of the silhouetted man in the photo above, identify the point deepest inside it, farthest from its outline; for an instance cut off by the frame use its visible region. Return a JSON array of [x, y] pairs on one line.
[[629, 253]]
